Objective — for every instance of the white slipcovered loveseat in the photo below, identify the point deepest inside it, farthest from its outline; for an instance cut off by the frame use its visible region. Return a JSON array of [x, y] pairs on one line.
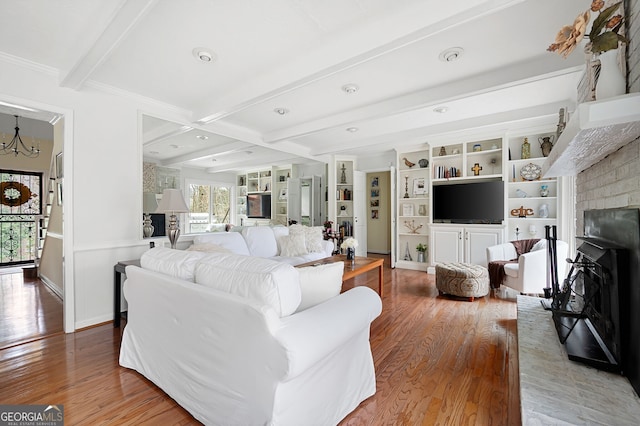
[[294, 245], [225, 336]]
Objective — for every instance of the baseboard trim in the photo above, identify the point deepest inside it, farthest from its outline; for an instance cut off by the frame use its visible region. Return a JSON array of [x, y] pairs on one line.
[[51, 286]]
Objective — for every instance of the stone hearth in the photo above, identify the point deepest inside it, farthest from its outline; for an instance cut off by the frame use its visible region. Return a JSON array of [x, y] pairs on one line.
[[555, 390]]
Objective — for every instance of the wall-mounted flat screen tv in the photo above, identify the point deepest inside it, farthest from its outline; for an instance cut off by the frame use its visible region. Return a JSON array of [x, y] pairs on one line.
[[474, 203], [259, 206]]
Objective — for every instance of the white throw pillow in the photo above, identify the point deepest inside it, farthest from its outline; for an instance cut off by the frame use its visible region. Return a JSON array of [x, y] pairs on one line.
[[260, 240], [313, 239], [208, 248], [292, 246], [319, 283]]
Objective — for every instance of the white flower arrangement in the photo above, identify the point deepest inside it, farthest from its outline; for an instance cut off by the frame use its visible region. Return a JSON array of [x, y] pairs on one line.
[[349, 243]]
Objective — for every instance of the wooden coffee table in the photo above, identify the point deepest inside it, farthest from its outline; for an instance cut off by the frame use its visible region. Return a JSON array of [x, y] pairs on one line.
[[360, 266]]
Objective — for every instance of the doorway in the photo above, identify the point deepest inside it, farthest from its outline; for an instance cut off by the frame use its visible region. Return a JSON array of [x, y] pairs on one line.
[[378, 202], [32, 305]]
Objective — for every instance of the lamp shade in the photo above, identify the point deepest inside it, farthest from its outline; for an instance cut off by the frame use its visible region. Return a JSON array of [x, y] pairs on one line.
[[172, 201], [149, 202]]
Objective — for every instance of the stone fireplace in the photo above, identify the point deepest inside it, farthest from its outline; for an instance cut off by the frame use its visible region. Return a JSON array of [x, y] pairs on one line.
[[615, 183]]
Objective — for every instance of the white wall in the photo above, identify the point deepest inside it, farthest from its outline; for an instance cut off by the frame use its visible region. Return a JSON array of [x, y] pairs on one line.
[[102, 180]]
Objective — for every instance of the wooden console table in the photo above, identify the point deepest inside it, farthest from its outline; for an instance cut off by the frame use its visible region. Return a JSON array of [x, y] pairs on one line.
[[118, 271], [360, 266]]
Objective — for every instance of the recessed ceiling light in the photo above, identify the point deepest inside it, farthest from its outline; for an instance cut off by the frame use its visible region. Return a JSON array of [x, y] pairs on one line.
[[174, 146], [350, 88], [441, 109], [203, 54], [249, 152], [154, 152], [281, 111], [202, 137], [352, 129], [451, 54]]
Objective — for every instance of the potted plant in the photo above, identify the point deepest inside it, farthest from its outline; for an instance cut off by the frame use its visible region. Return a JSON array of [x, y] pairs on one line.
[[422, 248]]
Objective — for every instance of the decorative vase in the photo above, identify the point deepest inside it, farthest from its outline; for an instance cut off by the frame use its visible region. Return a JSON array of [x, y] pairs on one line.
[[421, 257], [351, 253], [546, 143], [610, 82], [544, 191], [147, 228], [422, 210], [525, 153], [543, 211]]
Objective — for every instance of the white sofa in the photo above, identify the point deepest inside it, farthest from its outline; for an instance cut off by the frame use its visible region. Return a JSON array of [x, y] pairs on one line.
[[293, 245], [222, 335], [529, 274]]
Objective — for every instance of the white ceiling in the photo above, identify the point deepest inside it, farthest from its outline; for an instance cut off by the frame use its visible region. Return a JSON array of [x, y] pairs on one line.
[[297, 55]]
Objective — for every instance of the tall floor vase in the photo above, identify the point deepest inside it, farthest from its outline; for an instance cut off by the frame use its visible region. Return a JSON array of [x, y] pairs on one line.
[[611, 81]]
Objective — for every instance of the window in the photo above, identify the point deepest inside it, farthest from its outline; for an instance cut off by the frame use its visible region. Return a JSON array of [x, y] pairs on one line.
[[20, 208], [209, 207]]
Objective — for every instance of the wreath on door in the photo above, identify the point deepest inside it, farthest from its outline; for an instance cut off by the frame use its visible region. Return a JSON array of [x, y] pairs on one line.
[[14, 194]]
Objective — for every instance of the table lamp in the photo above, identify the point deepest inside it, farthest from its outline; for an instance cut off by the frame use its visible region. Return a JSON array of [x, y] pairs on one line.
[[172, 202], [149, 205]]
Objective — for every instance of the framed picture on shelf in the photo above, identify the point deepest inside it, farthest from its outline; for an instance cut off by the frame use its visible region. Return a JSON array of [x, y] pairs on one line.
[[407, 210], [375, 193], [374, 214], [419, 186], [374, 181], [375, 203], [283, 194]]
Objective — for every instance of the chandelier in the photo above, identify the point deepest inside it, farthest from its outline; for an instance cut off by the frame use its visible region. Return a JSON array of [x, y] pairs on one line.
[[16, 146]]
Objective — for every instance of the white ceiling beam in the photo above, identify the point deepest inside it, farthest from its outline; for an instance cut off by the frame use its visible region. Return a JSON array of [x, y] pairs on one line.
[[450, 132], [223, 149], [124, 20], [540, 68], [163, 132], [346, 51]]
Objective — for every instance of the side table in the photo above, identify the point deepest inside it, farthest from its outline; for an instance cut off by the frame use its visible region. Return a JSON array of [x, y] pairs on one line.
[[118, 271]]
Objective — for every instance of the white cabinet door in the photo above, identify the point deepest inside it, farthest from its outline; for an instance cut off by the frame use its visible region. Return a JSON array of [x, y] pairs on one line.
[[446, 244], [463, 244], [476, 242]]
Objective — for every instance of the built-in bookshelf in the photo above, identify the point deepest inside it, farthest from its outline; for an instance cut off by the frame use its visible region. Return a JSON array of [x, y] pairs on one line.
[[412, 221]]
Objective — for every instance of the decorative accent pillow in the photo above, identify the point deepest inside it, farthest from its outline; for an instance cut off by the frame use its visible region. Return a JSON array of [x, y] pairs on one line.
[[208, 248], [319, 283], [292, 246], [313, 239]]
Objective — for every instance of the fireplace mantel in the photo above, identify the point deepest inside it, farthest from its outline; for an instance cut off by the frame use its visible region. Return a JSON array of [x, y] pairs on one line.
[[595, 130]]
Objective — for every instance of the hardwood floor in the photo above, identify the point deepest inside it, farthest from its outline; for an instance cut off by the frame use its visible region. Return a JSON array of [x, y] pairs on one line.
[[28, 309], [438, 360]]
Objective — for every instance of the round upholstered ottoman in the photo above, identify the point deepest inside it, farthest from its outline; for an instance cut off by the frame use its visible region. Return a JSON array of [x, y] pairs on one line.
[[462, 279]]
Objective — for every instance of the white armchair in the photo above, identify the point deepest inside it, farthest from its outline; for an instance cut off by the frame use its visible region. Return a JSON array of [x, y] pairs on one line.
[[529, 274]]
